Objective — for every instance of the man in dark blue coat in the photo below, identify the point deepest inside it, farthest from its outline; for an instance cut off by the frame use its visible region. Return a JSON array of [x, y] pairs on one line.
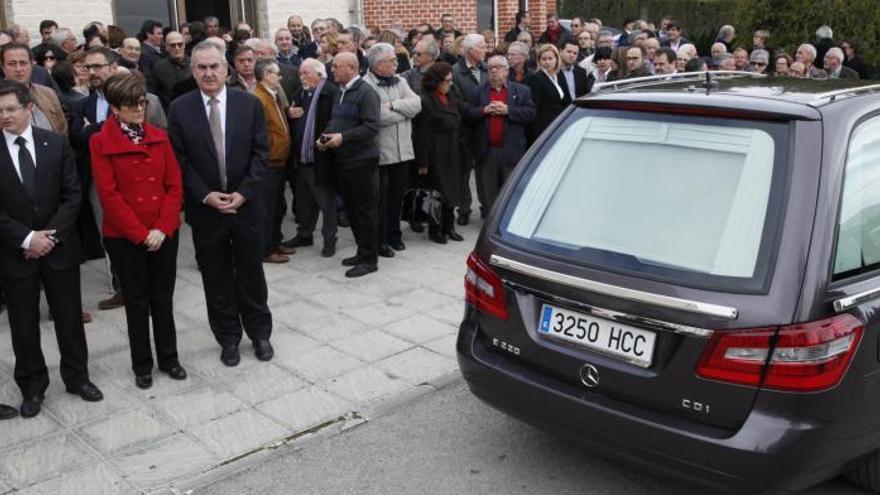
[[219, 136], [502, 111]]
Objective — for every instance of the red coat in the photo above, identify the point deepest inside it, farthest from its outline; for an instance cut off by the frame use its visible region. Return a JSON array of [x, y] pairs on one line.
[[140, 186]]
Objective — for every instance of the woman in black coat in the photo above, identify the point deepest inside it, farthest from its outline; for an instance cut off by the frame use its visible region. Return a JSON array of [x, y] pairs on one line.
[[439, 150], [549, 91]]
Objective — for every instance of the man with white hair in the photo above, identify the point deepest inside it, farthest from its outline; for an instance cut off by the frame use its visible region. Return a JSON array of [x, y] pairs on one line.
[[424, 55], [65, 39], [718, 49], [468, 74], [313, 176], [806, 54], [503, 111], [289, 74], [824, 42], [399, 105], [834, 65]]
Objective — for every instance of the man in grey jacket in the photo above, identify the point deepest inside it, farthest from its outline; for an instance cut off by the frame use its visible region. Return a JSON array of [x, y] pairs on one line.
[[351, 134], [398, 106], [424, 55]]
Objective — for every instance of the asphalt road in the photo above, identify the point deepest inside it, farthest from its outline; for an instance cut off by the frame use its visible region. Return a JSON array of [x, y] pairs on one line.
[[449, 442]]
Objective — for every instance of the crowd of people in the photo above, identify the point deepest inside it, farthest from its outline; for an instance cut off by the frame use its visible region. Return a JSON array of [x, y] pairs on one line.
[[109, 137]]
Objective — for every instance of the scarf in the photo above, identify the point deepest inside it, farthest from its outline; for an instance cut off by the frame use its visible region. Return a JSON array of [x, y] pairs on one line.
[[307, 154], [386, 81], [134, 132]]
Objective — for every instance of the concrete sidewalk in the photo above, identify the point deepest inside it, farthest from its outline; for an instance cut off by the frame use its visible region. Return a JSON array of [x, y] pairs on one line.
[[341, 347]]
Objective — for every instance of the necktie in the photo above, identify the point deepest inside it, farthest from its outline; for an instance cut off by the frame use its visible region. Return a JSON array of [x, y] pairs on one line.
[[219, 142], [26, 166]]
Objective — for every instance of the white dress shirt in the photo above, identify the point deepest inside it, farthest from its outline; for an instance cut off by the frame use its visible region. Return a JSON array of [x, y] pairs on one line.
[[13, 148], [221, 107]]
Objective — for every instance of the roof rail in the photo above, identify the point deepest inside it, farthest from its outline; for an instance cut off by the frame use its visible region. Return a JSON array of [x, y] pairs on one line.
[[702, 76], [832, 95]]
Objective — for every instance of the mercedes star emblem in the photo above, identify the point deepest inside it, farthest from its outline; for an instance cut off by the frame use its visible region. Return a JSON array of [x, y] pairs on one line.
[[589, 375]]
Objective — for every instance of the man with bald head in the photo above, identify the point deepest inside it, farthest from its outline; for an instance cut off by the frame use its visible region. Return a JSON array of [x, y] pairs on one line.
[[170, 70], [351, 134], [130, 54]]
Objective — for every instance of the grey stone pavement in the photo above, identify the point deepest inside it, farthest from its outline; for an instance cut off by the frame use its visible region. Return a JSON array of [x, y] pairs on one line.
[[343, 349]]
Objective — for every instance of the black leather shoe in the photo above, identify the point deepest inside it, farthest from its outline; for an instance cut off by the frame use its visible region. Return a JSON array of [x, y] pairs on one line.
[[329, 249], [298, 241], [87, 392], [176, 372], [342, 220], [361, 270], [398, 246], [352, 261], [464, 220], [143, 381], [454, 236], [385, 251], [7, 412], [438, 237], [416, 227], [263, 349], [30, 406], [230, 356]]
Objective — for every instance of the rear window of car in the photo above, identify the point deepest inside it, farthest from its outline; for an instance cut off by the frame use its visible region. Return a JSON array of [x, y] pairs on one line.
[[690, 200]]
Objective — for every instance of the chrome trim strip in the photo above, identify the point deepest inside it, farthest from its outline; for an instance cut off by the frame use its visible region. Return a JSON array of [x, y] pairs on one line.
[[615, 291], [845, 303], [639, 321], [830, 95]]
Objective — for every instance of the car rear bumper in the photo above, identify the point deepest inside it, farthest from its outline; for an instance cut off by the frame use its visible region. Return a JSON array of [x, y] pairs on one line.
[[768, 454]]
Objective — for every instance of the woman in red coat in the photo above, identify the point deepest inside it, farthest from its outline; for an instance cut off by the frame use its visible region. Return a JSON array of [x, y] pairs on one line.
[[140, 188]]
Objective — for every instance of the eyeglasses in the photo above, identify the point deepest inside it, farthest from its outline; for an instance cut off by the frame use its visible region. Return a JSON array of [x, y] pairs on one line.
[[94, 67], [174, 45], [448, 80], [49, 57], [758, 64], [10, 110]]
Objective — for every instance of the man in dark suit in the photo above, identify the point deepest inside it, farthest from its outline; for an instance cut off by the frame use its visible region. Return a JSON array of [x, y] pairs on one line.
[[39, 246], [576, 79], [351, 134], [219, 136], [467, 74], [502, 111]]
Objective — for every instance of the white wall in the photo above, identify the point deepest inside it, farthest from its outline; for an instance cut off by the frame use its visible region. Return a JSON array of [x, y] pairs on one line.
[[73, 14]]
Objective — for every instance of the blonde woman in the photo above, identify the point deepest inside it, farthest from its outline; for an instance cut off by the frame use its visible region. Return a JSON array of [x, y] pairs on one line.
[[549, 90]]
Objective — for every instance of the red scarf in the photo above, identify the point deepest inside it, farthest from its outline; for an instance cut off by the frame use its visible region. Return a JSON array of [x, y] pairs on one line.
[[444, 99]]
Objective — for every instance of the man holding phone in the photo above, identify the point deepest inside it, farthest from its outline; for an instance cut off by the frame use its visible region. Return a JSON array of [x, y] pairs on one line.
[[351, 135]]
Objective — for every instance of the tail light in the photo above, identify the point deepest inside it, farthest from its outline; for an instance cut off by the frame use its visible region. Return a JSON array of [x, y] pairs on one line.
[[484, 289], [806, 357]]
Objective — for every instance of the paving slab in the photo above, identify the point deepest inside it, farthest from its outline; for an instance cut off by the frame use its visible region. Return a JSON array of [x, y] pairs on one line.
[[239, 433], [44, 458], [343, 347], [164, 462], [305, 408]]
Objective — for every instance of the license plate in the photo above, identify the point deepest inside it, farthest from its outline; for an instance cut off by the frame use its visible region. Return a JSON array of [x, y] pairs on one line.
[[615, 339]]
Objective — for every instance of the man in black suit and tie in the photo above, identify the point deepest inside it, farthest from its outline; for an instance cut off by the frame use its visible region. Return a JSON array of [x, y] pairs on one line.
[[576, 79], [39, 205], [219, 136]]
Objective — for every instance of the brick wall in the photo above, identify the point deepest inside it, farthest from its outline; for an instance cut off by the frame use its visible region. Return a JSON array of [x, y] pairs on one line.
[[382, 12], [68, 13]]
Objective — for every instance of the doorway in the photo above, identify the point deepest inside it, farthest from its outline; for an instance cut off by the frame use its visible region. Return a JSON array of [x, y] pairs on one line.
[[197, 10]]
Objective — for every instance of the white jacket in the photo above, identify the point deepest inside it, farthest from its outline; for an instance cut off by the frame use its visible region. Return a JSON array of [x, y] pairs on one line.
[[395, 132]]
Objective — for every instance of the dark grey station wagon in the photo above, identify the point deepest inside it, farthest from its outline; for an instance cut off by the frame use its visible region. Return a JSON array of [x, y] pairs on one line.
[[684, 272]]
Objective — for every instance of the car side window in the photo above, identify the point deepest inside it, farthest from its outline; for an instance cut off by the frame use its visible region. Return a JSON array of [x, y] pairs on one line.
[[858, 240]]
